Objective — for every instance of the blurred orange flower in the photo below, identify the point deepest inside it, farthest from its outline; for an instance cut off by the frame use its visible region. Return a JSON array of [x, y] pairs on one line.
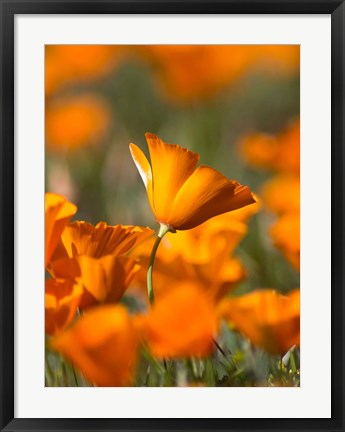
[[200, 244], [62, 299], [182, 323], [185, 72], [202, 255], [182, 196], [76, 121], [192, 71], [281, 194], [285, 233], [280, 153], [103, 344], [270, 320], [58, 212], [78, 63], [215, 277], [188, 72]]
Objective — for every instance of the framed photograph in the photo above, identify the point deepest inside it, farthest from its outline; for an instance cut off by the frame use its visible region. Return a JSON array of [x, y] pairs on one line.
[[172, 215]]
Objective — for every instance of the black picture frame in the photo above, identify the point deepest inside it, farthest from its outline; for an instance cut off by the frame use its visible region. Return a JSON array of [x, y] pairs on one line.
[[8, 10]]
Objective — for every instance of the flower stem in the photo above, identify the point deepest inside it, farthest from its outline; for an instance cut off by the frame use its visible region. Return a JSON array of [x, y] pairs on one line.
[[161, 233], [219, 347], [75, 376]]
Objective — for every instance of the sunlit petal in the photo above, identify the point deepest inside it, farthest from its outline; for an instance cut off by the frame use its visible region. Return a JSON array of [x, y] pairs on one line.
[[145, 171], [103, 344], [207, 193], [182, 323], [269, 319], [171, 165], [58, 212], [62, 298], [104, 279], [82, 238]]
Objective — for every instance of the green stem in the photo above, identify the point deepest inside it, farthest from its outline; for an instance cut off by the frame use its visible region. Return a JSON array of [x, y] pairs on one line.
[[219, 347], [161, 233], [75, 376]]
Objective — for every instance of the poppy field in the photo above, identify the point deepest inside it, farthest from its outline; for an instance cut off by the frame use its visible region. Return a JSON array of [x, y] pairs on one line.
[[172, 216]]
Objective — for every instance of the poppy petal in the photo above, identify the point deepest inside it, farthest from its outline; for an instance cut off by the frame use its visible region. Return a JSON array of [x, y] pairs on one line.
[[58, 212], [182, 323], [171, 166], [82, 238], [103, 344], [104, 279], [269, 319], [144, 169], [62, 299], [281, 194], [285, 233], [207, 193]]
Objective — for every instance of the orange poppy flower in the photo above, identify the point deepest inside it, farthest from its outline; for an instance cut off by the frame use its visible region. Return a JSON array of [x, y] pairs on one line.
[[182, 323], [58, 212], [202, 255], [94, 256], [281, 194], [280, 152], [220, 233], [62, 299], [78, 63], [285, 233], [214, 278], [185, 74], [103, 344], [104, 279], [83, 238], [181, 196], [270, 320], [73, 122]]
